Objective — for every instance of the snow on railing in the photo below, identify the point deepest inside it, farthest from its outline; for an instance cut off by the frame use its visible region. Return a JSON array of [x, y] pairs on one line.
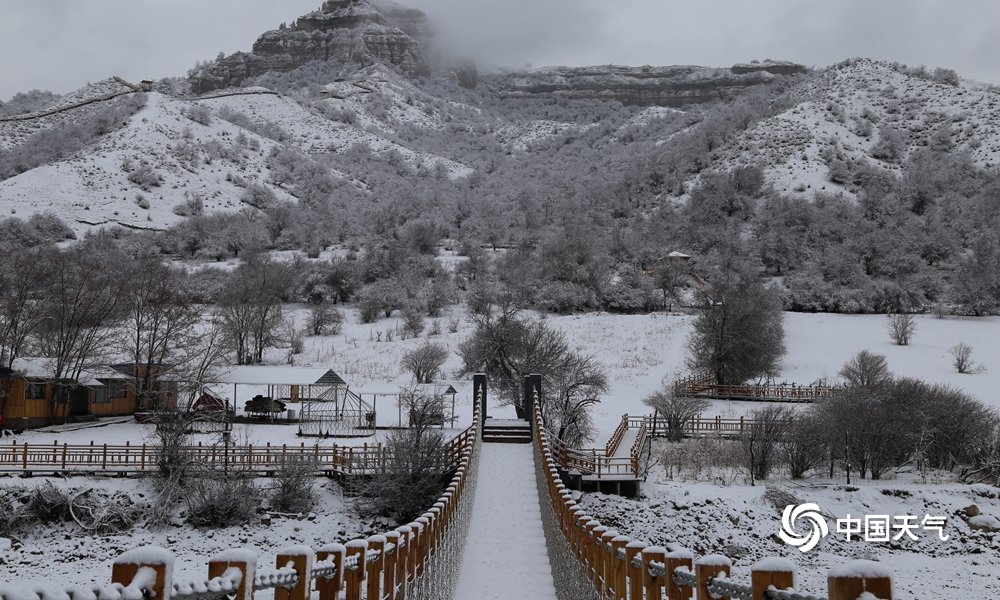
[[619, 567], [413, 561]]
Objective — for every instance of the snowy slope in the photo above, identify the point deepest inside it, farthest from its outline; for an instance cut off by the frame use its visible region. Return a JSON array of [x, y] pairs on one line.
[[92, 188], [841, 111]]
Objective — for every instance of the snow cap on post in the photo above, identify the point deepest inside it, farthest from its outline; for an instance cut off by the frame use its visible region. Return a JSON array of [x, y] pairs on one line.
[[299, 558], [708, 568], [848, 582], [771, 572], [236, 558], [148, 568]]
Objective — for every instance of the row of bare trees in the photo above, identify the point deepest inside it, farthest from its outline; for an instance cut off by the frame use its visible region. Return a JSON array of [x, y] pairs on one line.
[[88, 306]]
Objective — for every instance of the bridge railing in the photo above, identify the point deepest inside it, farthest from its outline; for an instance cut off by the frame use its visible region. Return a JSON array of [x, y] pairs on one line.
[[404, 562], [620, 567]]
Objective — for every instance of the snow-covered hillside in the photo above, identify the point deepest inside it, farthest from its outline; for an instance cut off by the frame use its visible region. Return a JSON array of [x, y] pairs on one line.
[[846, 111]]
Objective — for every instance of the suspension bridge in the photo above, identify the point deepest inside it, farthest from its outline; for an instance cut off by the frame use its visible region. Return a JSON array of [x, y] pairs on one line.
[[508, 526]]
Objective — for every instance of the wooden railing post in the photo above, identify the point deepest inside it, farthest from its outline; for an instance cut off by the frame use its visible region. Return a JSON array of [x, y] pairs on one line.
[[634, 572], [674, 560], [590, 551], [620, 570], [404, 560], [858, 576], [329, 588], [777, 572], [373, 567], [709, 567], [245, 561], [610, 563], [421, 530], [389, 568], [355, 575], [147, 568], [600, 555], [301, 558], [652, 583]]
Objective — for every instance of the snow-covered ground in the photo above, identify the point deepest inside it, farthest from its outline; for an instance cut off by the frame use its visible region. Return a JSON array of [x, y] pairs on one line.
[[639, 351]]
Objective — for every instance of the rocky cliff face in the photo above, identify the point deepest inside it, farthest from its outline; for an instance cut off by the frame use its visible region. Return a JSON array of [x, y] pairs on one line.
[[674, 86], [345, 31]]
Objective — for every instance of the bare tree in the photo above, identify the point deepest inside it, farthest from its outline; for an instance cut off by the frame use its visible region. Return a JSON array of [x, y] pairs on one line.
[[81, 304], [574, 388], [159, 330], [20, 312], [739, 334], [760, 439], [508, 346], [674, 410], [961, 355], [251, 306], [866, 370], [425, 362], [413, 476], [325, 320], [805, 445], [901, 328]]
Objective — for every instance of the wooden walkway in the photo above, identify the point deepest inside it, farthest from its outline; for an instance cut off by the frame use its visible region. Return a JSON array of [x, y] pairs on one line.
[[505, 554], [705, 386]]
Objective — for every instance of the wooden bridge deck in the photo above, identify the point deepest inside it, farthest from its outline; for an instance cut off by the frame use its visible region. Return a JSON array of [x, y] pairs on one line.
[[506, 515]]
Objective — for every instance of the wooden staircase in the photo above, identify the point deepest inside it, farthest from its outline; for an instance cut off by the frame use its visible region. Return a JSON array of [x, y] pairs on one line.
[[506, 431]]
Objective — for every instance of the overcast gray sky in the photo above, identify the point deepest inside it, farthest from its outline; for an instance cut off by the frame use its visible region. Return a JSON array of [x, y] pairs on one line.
[[62, 44]]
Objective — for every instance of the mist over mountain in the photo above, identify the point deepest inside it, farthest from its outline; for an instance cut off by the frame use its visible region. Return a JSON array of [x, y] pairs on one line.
[[863, 186]]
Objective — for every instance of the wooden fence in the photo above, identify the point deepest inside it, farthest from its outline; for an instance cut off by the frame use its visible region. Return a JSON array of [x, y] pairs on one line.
[[602, 462], [622, 568], [385, 566], [705, 385], [262, 459]]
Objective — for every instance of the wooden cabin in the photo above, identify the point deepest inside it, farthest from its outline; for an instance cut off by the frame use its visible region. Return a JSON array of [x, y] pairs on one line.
[[29, 397]]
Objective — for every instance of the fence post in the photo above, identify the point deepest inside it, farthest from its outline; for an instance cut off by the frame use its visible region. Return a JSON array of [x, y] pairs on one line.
[[404, 559], [329, 588], [376, 543], [610, 562], [778, 572], [653, 583], [423, 544], [301, 558], [859, 576], [674, 560], [590, 550], [600, 558], [479, 385], [620, 570], [147, 568], [708, 568], [245, 561], [634, 572], [355, 575], [389, 568]]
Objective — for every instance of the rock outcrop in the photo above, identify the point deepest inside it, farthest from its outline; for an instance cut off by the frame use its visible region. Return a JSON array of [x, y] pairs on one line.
[[351, 32], [674, 86]]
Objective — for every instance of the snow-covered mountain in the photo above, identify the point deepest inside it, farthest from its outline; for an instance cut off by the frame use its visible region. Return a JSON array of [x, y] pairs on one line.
[[150, 163], [866, 112]]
